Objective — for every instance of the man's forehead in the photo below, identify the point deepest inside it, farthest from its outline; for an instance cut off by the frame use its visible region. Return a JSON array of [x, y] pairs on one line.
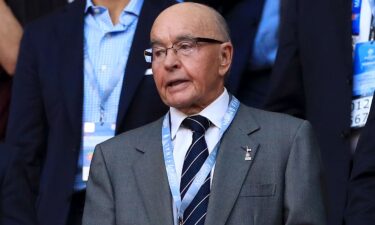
[[181, 26], [189, 22], [163, 41], [179, 31]]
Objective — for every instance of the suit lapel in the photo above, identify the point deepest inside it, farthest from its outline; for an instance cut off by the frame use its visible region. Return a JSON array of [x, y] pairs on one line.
[[231, 168], [136, 65], [152, 178], [70, 33]]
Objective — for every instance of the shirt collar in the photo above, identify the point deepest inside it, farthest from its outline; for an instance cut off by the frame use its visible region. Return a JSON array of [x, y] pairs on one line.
[[134, 7], [89, 5], [214, 112]]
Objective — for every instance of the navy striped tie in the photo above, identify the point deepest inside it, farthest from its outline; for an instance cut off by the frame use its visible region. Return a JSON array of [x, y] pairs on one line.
[[196, 155]]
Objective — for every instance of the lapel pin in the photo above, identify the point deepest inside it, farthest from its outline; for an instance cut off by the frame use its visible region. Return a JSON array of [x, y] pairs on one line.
[[247, 155]]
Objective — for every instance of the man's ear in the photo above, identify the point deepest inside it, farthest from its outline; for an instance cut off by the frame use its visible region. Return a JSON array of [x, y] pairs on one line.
[[226, 55]]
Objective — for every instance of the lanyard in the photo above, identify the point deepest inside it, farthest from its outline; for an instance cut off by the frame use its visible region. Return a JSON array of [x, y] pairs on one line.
[[104, 91], [174, 183], [356, 14]]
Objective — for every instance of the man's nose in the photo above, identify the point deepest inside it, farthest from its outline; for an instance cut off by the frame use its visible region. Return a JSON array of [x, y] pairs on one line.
[[171, 58]]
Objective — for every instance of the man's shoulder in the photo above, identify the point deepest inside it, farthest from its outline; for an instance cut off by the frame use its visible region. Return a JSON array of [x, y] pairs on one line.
[[268, 117], [278, 126]]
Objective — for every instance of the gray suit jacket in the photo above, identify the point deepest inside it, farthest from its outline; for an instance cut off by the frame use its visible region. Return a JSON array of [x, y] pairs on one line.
[[281, 184]]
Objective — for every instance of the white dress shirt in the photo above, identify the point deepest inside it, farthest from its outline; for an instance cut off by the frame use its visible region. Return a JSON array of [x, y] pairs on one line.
[[182, 137]]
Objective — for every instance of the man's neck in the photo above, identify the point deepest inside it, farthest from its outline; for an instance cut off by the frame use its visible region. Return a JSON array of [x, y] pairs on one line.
[[115, 7]]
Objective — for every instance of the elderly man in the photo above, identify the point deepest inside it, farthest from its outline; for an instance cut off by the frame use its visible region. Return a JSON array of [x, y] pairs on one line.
[[210, 160]]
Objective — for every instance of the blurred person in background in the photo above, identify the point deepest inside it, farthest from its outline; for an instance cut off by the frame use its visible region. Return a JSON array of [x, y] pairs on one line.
[[14, 14], [323, 73], [80, 79], [361, 193]]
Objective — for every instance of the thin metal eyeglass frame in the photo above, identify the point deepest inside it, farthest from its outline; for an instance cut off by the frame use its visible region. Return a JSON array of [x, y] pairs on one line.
[[148, 52]]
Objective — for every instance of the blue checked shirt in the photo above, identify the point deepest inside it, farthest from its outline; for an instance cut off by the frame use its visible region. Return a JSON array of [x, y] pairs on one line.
[[106, 48], [266, 39]]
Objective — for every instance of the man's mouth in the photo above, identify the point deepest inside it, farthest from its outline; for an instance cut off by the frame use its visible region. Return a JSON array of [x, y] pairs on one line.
[[175, 83]]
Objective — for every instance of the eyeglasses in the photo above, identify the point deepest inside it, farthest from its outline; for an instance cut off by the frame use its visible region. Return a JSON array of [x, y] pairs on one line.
[[185, 47]]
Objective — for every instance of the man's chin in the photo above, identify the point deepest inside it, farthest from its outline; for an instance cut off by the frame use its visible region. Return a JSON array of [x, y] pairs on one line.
[[180, 106], [179, 101], [188, 109]]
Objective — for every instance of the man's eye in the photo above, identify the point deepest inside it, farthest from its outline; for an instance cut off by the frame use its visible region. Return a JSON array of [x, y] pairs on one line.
[[158, 52], [185, 46]]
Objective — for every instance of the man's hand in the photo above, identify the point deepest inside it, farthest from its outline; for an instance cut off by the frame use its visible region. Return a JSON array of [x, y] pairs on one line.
[[10, 38]]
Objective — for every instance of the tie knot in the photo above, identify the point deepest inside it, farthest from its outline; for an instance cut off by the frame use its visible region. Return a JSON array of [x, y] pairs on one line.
[[197, 123]]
